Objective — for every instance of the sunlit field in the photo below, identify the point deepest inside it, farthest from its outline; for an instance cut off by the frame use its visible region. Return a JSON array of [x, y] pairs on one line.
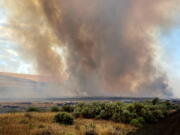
[[42, 124]]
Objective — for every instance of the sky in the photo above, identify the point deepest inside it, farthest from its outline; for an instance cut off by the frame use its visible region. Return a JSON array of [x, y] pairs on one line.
[[9, 49], [12, 61], [170, 43]]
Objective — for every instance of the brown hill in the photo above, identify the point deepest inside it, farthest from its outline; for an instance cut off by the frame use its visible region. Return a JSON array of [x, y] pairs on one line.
[[14, 85], [37, 78]]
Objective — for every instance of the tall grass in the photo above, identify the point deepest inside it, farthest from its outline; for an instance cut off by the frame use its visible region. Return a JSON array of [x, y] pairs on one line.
[[33, 123]]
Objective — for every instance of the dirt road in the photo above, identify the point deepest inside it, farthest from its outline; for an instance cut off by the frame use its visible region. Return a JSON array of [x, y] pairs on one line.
[[169, 126]]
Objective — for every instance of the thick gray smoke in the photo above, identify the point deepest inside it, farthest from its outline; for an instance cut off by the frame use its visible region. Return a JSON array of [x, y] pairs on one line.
[[109, 46]]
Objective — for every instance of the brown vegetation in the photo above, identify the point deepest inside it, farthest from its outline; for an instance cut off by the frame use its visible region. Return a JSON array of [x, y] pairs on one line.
[[42, 124]]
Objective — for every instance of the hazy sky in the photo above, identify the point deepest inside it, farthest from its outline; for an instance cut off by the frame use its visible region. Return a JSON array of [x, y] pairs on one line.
[[12, 61]]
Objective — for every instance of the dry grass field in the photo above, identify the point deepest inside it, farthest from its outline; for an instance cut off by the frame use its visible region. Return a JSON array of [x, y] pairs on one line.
[[42, 124]]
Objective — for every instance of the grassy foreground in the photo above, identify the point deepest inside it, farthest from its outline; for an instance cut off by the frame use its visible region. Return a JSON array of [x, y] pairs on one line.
[[87, 118], [42, 124]]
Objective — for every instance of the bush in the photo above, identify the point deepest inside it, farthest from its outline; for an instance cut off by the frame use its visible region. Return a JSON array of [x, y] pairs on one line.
[[68, 108], [88, 112], [105, 115], [136, 123], [155, 101], [116, 117], [138, 107], [143, 112], [33, 109], [158, 114], [77, 112], [64, 118], [127, 116], [55, 109], [149, 117], [141, 120]]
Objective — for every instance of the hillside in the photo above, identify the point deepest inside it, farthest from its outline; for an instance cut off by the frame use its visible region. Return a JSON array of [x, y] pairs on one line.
[[21, 85], [31, 77]]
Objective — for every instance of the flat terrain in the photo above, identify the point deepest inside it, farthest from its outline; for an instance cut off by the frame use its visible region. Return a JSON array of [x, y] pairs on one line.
[[42, 124], [169, 126]]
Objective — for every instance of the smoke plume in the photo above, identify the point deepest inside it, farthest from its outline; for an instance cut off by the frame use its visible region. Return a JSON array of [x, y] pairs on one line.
[[108, 46]]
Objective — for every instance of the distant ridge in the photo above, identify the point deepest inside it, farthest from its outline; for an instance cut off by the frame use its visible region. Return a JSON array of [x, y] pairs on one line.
[[37, 78], [14, 85]]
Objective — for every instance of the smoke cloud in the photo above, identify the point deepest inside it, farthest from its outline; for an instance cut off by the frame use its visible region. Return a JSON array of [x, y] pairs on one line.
[[107, 47]]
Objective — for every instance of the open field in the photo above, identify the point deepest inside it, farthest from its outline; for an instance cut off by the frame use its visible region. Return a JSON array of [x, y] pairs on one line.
[[20, 105], [42, 124]]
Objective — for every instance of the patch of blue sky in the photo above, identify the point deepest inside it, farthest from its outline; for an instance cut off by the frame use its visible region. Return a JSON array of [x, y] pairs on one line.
[[3, 16], [2, 62], [11, 60], [5, 43], [171, 44]]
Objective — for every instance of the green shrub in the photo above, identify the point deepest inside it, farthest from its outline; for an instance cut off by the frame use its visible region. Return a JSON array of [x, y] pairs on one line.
[[33, 109], [158, 114], [116, 117], [149, 117], [155, 101], [55, 109], [105, 115], [143, 112], [141, 120], [138, 107], [127, 116], [136, 123], [77, 112], [68, 108], [64, 118], [88, 112], [130, 107]]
